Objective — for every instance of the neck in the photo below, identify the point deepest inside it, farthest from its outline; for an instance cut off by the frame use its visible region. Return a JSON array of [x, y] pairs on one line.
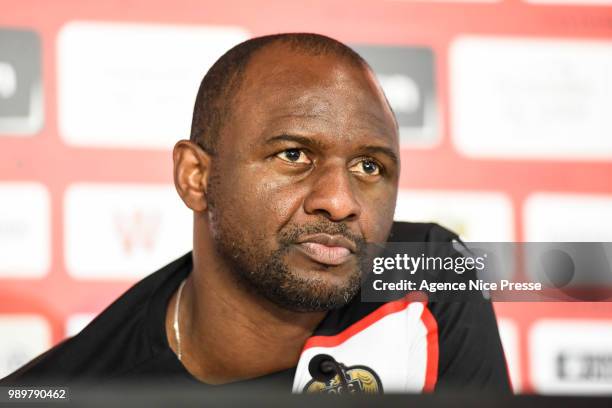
[[228, 333]]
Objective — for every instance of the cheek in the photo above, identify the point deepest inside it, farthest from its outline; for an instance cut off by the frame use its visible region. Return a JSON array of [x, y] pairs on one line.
[[377, 217], [278, 201], [258, 203]]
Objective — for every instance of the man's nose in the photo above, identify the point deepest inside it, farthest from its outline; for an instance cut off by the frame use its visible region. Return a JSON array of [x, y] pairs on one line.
[[332, 195]]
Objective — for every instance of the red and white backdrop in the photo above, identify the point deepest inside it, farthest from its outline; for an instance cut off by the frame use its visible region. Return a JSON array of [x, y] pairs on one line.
[[505, 110]]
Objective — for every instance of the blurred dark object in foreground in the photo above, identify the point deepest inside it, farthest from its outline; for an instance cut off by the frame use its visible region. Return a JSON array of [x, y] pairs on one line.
[[165, 396]]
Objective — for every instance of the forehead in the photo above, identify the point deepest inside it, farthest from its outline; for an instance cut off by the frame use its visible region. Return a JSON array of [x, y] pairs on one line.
[[325, 93]]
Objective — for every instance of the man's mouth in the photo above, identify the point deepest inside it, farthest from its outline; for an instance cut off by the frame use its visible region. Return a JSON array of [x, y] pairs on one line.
[[327, 249]]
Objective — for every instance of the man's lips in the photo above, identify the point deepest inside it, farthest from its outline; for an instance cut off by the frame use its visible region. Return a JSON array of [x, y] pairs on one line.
[[327, 249]]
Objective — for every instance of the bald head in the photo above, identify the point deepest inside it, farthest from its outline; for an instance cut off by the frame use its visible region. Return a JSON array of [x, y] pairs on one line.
[[220, 85]]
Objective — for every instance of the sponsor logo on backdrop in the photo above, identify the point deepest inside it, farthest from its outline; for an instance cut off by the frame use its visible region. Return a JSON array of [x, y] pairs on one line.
[[407, 76], [585, 366], [571, 356], [508, 333], [33, 337], [553, 217], [21, 102], [475, 216], [137, 228], [24, 230], [143, 77], [531, 98]]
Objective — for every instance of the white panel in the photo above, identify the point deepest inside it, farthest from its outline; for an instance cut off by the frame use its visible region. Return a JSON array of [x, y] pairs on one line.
[[133, 85], [571, 356], [475, 216], [124, 230], [77, 322], [531, 98], [552, 217], [508, 332], [22, 337], [24, 230]]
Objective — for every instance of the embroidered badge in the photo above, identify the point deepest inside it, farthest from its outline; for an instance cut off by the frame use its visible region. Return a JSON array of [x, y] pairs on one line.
[[358, 379]]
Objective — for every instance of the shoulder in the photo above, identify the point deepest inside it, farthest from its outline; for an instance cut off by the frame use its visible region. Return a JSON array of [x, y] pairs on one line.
[[468, 348], [470, 353], [116, 341]]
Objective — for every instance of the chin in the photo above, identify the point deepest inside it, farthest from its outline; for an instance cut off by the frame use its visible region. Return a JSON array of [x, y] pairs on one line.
[[328, 280], [337, 274]]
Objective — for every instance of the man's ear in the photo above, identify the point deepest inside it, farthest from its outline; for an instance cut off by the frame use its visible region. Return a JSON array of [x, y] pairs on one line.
[[191, 172]]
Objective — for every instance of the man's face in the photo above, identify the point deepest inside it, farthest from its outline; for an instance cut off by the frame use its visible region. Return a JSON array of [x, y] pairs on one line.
[[306, 173]]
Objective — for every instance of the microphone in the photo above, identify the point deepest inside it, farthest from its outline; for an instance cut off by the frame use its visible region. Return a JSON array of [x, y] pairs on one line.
[[324, 367]]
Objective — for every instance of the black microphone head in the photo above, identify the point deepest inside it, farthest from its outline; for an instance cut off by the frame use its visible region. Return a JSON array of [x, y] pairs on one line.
[[322, 367]]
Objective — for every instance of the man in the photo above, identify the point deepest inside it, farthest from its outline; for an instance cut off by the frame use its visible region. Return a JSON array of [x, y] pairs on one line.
[[292, 167]]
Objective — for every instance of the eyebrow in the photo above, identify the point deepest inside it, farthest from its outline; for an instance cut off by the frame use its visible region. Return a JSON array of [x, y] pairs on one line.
[[307, 141], [384, 150]]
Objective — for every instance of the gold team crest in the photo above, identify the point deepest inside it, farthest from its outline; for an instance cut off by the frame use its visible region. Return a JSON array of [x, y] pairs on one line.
[[359, 379]]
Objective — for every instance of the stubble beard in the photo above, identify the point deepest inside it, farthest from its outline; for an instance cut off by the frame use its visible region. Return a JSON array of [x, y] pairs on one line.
[[267, 274]]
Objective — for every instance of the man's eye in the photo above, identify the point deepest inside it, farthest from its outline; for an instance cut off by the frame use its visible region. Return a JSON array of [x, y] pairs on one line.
[[293, 156], [367, 167]]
